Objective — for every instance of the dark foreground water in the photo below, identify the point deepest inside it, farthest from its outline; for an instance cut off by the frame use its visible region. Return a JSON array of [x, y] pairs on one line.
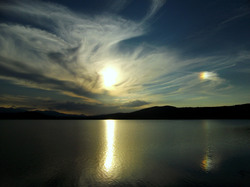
[[125, 153]]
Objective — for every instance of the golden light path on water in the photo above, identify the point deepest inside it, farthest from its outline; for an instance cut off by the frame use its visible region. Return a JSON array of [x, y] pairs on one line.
[[208, 162], [110, 132]]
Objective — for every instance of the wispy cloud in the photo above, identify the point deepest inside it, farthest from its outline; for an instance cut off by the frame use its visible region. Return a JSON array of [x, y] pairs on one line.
[[41, 103], [223, 21], [155, 6], [55, 49], [60, 44], [136, 103]]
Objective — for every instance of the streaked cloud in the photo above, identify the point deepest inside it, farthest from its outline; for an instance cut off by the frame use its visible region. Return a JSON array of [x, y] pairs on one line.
[[155, 6], [136, 103], [72, 107], [50, 47], [73, 49]]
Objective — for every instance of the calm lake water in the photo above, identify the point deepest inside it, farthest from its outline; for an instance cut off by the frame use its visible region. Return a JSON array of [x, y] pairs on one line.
[[125, 153]]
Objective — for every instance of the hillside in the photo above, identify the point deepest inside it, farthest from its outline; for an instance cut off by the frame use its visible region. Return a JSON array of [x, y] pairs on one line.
[[12, 113], [157, 112], [170, 112]]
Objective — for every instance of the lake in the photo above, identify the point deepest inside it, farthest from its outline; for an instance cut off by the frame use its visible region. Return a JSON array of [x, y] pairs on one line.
[[125, 153]]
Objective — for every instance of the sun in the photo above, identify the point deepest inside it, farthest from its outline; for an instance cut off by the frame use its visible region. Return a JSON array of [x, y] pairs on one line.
[[109, 76]]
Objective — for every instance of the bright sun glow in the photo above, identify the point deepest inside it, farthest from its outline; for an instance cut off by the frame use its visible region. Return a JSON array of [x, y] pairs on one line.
[[204, 75], [109, 75], [208, 75]]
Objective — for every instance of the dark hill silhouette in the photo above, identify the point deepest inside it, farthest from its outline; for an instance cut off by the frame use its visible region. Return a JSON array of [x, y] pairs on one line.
[[158, 112], [170, 112], [12, 113]]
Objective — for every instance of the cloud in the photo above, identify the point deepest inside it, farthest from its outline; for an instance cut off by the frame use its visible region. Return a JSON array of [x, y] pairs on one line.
[[118, 5], [155, 6], [74, 107], [223, 22], [53, 48], [136, 103], [40, 103], [37, 80], [77, 107], [74, 48], [61, 45]]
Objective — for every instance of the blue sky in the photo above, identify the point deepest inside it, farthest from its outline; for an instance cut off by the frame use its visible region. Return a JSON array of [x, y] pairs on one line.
[[96, 57]]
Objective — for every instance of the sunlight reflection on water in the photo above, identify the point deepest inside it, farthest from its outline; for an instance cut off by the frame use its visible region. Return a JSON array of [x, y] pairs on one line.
[[110, 132], [208, 161], [125, 153], [108, 165]]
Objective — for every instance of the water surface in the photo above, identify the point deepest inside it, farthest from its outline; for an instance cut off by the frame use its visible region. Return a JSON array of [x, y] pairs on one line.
[[125, 153]]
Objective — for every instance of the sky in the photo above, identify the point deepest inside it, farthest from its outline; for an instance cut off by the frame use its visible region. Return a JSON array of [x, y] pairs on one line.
[[97, 57]]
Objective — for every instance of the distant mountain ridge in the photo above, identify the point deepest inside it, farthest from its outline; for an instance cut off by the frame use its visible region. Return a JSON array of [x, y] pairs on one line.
[[16, 113], [171, 112], [157, 112]]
